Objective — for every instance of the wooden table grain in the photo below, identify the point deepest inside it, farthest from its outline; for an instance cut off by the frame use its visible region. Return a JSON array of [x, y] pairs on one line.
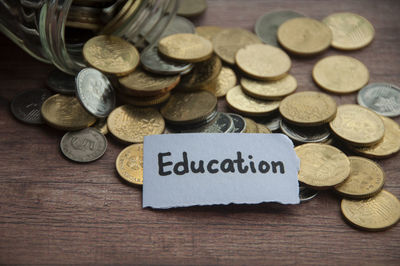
[[56, 211]]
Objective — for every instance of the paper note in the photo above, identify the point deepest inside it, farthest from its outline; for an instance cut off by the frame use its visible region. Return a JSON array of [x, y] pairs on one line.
[[204, 169]]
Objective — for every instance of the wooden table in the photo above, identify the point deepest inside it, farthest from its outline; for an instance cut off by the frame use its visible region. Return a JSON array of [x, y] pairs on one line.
[[56, 211]]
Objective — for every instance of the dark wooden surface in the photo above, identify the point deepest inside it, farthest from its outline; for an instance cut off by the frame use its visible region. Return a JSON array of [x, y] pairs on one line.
[[56, 211]]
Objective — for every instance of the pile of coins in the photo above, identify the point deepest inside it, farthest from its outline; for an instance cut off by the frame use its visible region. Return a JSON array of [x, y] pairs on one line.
[[174, 86]]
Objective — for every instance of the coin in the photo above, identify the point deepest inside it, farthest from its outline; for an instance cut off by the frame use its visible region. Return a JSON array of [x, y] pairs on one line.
[[251, 126], [61, 82], [185, 47], [365, 180], [111, 55], [229, 41], [377, 213], [191, 8], [340, 74], [269, 90], [322, 166], [238, 122], [178, 25], [263, 61], [247, 105], [143, 100], [306, 193], [305, 134], [272, 121], [152, 62], [101, 126], [383, 98], [304, 36], [143, 83], [83, 146], [208, 32], [357, 125], [263, 129], [66, 113], [389, 145], [308, 108], [349, 31], [226, 80], [222, 123], [95, 92], [26, 106], [267, 25], [124, 14], [189, 108], [129, 164]]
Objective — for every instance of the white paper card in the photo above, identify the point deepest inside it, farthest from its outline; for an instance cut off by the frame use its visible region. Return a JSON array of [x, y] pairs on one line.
[[205, 169]]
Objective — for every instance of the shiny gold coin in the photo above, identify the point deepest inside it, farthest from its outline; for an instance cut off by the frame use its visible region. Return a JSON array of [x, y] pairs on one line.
[[263, 61], [304, 36], [191, 8], [365, 180], [226, 80], [101, 125], [269, 90], [247, 105], [208, 32], [202, 75], [322, 166], [111, 55], [377, 213], [350, 31], [66, 113], [130, 124], [143, 83], [129, 164], [357, 125], [229, 41], [263, 129], [251, 126], [143, 101], [185, 47], [189, 107], [308, 108], [389, 145], [340, 74]]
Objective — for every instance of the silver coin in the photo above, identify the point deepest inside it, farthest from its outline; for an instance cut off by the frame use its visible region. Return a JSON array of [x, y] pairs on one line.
[[268, 24], [383, 98], [152, 62], [238, 122], [303, 135], [222, 123], [306, 194], [26, 106], [83, 146], [95, 92], [61, 82], [272, 122]]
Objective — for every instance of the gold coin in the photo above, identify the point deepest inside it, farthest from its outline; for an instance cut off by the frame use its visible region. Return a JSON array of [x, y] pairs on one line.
[[263, 129], [269, 90], [120, 16], [340, 74], [229, 41], [350, 31], [130, 124], [251, 126], [377, 213], [365, 180], [322, 166], [143, 83], [111, 55], [247, 105], [308, 108], [101, 125], [357, 125], [143, 101], [191, 8], [185, 47], [389, 145], [189, 107], [202, 75], [304, 36], [129, 164], [208, 32], [66, 113], [226, 80], [263, 61]]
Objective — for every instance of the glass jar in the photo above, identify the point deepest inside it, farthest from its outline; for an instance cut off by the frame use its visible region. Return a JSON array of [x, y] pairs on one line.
[[39, 27]]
